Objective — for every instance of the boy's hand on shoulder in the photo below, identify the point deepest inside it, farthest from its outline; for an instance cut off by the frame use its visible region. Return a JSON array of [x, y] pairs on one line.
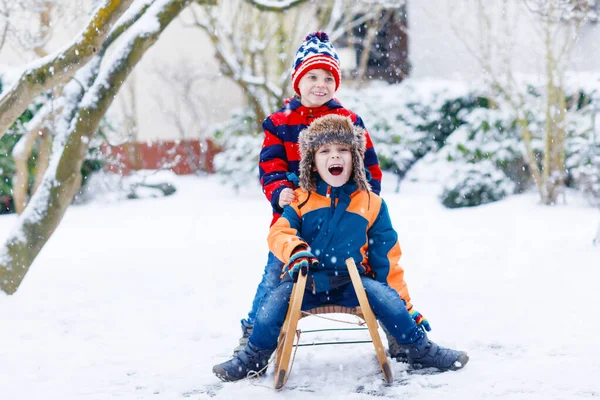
[[303, 261], [420, 320], [286, 197]]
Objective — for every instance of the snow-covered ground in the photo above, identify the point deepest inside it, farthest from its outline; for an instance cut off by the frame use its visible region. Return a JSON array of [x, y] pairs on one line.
[[138, 299]]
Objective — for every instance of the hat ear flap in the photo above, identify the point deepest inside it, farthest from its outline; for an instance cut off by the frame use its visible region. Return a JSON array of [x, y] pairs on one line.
[[358, 155], [307, 179], [360, 177]]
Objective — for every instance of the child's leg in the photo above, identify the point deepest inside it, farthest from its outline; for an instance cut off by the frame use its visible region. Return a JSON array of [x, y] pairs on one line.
[[420, 351], [391, 311], [270, 280], [386, 304], [271, 315], [254, 356]]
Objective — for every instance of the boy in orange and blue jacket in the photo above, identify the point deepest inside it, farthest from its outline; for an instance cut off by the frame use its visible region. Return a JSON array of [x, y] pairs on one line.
[[336, 216]]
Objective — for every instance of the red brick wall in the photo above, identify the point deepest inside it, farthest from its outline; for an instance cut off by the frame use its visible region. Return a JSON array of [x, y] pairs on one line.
[[181, 157]]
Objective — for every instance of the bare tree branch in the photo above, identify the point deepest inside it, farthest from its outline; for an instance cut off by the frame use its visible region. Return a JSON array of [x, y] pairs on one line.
[[47, 207], [61, 66]]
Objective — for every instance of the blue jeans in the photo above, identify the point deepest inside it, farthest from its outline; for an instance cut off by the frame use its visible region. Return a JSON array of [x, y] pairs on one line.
[[387, 306], [270, 280]]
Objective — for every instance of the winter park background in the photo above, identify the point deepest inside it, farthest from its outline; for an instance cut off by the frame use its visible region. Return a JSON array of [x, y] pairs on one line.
[[488, 135]]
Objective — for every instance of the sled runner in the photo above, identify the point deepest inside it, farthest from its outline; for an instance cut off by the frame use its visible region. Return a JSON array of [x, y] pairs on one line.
[[283, 359]]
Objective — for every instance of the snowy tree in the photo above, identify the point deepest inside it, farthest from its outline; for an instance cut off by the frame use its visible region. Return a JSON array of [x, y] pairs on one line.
[[27, 25], [557, 24], [18, 29], [256, 49], [91, 70], [90, 84], [255, 41]]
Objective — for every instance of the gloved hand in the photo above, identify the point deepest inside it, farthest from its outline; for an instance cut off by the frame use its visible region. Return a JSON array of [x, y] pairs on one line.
[[301, 260], [419, 319]]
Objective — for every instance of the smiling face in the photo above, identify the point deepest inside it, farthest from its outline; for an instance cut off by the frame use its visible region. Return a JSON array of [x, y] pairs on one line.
[[333, 162], [316, 87]]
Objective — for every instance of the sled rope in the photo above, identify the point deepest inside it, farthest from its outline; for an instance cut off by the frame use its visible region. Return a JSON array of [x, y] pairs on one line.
[[296, 345], [358, 321], [256, 374]]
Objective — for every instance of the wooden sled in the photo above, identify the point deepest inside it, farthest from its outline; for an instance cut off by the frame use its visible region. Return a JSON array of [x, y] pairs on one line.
[[283, 360]]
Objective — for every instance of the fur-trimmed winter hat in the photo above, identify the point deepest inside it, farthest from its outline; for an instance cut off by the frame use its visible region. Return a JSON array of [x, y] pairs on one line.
[[316, 52], [332, 128]]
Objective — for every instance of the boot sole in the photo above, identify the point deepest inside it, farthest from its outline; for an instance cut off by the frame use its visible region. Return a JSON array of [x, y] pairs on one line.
[[459, 364], [223, 375]]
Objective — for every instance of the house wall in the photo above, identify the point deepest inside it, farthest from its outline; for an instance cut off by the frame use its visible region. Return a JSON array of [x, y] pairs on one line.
[[158, 90]]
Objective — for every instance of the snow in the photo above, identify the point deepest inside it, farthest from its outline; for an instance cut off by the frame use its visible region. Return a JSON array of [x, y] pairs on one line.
[[139, 299]]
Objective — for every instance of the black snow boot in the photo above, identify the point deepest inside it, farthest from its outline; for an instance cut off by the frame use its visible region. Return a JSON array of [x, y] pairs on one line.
[[249, 359], [395, 350], [426, 354]]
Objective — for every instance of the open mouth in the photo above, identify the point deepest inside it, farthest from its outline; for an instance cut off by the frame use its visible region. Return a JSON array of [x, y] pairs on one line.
[[336, 170]]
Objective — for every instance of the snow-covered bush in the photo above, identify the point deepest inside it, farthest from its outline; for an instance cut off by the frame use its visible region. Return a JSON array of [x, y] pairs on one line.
[[409, 120], [237, 163], [93, 160], [489, 135], [448, 123], [108, 187], [582, 161], [474, 184]]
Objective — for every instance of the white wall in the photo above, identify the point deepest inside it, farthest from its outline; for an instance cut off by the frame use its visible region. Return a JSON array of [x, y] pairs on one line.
[[179, 44]]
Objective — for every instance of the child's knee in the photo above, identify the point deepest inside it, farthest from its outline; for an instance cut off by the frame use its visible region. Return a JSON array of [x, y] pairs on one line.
[[381, 294], [275, 305]]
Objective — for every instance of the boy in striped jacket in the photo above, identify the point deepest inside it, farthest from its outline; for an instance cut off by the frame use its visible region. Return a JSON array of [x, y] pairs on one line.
[[316, 76]]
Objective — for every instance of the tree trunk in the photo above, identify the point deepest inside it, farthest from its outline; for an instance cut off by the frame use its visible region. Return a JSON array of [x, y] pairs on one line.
[[553, 162], [20, 182], [22, 151], [63, 177]]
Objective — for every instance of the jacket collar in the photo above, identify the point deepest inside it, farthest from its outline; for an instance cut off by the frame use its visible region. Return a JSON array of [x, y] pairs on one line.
[[294, 104], [323, 188]]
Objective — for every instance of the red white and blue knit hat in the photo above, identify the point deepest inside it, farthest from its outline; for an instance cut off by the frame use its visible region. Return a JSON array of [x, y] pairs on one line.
[[316, 53]]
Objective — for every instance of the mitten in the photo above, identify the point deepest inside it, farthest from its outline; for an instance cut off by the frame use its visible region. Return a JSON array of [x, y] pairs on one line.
[[301, 260], [420, 320]]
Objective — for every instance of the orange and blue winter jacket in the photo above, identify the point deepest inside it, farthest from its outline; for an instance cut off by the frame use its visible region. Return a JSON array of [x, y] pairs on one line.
[[280, 151], [338, 223]]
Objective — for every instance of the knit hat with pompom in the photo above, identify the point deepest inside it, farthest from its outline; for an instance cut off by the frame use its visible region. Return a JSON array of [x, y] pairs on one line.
[[316, 53]]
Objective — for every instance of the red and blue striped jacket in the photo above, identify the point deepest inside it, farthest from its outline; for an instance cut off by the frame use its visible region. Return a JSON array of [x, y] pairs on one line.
[[280, 152]]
